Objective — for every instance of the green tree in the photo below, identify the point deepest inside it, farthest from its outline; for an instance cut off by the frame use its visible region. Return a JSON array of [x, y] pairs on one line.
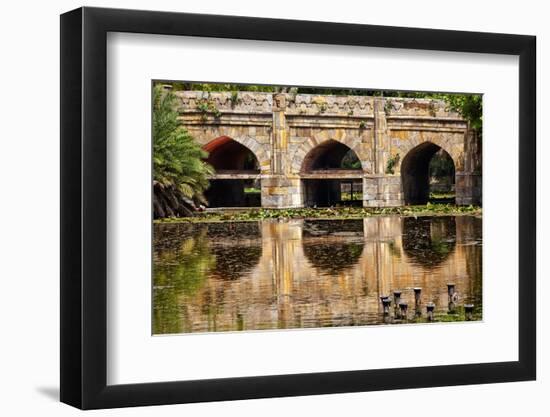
[[180, 174], [470, 106], [441, 165], [210, 87], [350, 161]]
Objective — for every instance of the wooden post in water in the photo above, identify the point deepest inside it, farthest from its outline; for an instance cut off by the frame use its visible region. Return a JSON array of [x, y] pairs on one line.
[[430, 307], [382, 298], [403, 306], [386, 302], [469, 311], [452, 297], [451, 290], [396, 301], [417, 301]]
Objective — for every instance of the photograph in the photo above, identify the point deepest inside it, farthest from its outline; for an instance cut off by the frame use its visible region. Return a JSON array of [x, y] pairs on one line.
[[258, 209], [293, 207]]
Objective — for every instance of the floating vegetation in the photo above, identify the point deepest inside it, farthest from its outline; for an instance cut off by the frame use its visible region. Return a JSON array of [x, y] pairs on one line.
[[333, 213]]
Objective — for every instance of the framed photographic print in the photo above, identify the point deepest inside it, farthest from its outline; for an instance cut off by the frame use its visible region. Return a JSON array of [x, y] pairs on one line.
[[256, 207]]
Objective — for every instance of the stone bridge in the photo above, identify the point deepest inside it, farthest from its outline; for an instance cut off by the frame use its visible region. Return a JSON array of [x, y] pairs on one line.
[[292, 146]]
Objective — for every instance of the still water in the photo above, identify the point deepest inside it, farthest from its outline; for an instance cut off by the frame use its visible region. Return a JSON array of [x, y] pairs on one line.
[[312, 273]]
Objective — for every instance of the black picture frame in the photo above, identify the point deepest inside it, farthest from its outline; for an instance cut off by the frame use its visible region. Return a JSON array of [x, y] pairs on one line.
[[84, 207]]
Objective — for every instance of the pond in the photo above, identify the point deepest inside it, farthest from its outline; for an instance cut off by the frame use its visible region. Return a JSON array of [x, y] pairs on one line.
[[234, 276]]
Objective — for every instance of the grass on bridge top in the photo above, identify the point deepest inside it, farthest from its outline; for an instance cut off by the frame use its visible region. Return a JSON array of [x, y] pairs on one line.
[[335, 213]]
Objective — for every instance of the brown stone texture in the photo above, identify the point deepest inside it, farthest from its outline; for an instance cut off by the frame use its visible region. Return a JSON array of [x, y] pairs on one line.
[[282, 129]]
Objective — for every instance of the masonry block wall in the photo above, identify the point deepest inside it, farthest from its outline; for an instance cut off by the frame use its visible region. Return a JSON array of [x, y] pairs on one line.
[[392, 138]]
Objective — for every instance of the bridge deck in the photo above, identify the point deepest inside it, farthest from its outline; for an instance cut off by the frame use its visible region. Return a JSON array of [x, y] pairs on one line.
[[236, 175], [329, 174]]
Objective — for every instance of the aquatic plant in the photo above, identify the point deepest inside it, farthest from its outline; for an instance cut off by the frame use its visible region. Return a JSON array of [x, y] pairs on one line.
[[329, 213]]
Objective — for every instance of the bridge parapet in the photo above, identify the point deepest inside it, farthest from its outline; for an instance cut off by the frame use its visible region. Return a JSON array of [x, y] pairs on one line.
[[248, 102], [327, 105], [419, 108], [281, 129], [251, 102]]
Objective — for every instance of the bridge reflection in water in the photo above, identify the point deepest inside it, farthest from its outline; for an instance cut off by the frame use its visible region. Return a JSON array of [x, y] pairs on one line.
[[308, 273]]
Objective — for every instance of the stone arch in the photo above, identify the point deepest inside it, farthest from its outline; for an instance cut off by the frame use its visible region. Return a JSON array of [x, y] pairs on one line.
[[235, 145], [325, 179], [326, 155], [237, 178], [453, 144], [414, 171], [317, 140]]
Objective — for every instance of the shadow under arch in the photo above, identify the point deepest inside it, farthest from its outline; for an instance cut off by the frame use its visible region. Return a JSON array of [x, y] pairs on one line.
[[331, 175], [236, 247], [332, 247], [236, 182], [415, 172], [428, 241], [226, 154], [329, 155]]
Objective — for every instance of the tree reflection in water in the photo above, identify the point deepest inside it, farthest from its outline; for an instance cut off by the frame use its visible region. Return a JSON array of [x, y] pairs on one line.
[[428, 241], [332, 246], [235, 261], [298, 274], [180, 270], [236, 246]]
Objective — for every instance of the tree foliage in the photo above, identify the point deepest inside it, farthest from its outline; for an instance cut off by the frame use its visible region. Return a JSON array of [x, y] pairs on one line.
[[179, 171], [470, 106], [210, 87], [442, 165], [350, 161]]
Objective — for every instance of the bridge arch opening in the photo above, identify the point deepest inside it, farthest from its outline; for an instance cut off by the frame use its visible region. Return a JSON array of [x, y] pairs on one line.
[[331, 176], [428, 175], [331, 155], [236, 182]]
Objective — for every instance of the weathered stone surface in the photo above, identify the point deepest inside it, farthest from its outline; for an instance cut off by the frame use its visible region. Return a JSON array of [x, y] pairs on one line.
[[282, 129]]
